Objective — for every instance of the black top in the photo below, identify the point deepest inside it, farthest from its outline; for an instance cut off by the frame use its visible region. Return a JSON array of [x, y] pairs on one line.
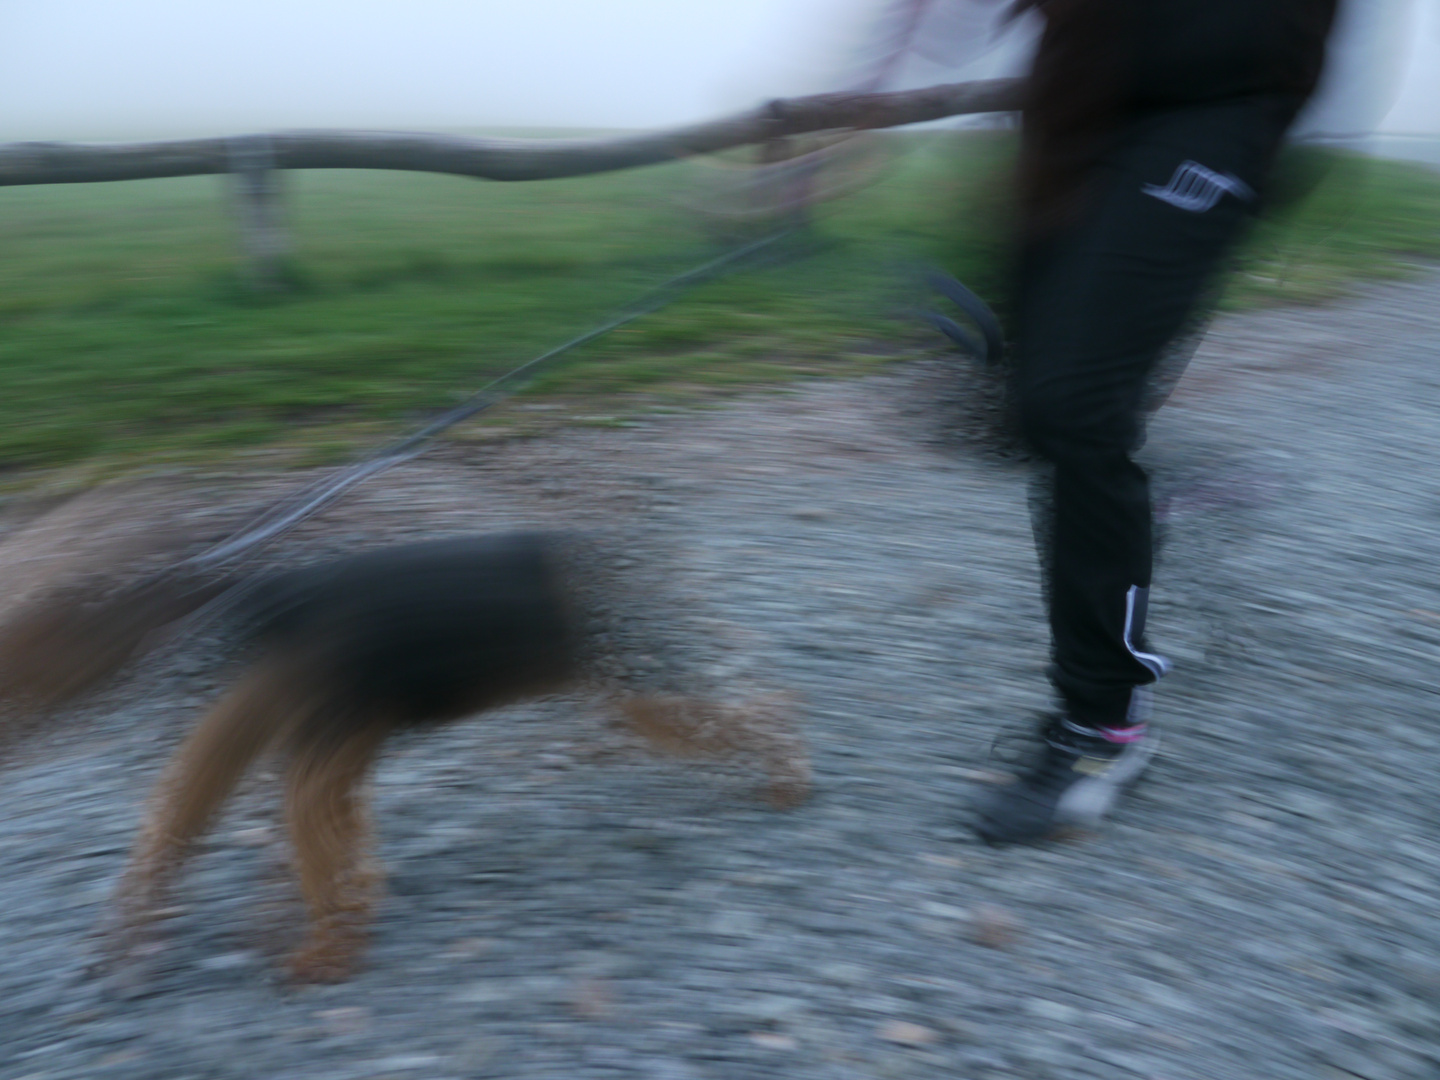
[[1101, 63], [1190, 51]]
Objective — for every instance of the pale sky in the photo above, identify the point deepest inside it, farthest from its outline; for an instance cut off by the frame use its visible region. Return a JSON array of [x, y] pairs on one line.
[[1418, 105], [78, 68], [155, 68]]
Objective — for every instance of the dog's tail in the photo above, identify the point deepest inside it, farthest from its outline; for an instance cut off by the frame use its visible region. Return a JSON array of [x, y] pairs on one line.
[[62, 644]]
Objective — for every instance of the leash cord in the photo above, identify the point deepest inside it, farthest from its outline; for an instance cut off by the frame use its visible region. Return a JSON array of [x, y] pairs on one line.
[[293, 509]]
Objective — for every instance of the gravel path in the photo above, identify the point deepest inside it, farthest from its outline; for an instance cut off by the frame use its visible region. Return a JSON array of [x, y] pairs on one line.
[[560, 908]]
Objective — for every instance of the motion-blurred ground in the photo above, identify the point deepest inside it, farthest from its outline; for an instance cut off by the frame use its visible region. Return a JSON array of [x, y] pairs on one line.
[[557, 906]]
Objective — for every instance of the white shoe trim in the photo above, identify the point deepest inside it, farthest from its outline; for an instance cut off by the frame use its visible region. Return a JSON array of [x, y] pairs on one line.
[[1089, 799]]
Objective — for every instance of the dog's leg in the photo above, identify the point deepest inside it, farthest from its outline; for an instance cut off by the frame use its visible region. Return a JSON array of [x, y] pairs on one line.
[[760, 730], [197, 781], [329, 826]]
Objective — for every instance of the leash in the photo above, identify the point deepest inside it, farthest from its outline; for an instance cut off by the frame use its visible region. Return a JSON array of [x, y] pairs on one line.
[[989, 348], [290, 511], [178, 598], [285, 514], [294, 509]]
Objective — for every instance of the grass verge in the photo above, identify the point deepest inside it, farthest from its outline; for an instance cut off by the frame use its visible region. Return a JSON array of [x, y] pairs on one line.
[[125, 337]]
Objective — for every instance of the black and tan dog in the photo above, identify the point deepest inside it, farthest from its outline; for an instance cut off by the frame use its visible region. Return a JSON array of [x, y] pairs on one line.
[[344, 654]]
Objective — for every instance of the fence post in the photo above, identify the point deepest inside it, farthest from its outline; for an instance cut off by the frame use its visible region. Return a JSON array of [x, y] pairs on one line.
[[789, 174], [256, 185]]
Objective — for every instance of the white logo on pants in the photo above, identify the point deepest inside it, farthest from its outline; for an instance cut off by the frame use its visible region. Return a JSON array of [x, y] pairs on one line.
[[1197, 189]]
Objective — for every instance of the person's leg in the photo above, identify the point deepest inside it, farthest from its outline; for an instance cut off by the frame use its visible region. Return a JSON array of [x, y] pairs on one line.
[[1098, 304]]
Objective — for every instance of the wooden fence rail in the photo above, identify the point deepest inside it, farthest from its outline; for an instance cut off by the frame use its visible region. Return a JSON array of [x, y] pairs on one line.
[[501, 159], [254, 159]]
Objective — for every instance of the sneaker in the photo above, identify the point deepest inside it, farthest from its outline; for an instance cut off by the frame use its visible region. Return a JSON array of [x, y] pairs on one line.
[[1071, 782]]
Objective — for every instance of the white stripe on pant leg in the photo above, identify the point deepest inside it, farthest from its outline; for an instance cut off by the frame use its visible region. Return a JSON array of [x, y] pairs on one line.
[[1157, 664], [1196, 188]]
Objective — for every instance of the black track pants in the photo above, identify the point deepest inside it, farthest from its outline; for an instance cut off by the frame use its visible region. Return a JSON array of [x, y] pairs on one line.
[[1098, 303]]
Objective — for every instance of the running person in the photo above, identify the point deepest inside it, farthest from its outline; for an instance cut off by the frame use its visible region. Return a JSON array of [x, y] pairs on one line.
[[1149, 129]]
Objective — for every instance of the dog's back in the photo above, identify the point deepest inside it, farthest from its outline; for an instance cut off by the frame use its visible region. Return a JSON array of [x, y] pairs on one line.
[[427, 631]]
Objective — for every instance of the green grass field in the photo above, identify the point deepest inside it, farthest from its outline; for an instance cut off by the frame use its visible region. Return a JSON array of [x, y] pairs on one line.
[[125, 338]]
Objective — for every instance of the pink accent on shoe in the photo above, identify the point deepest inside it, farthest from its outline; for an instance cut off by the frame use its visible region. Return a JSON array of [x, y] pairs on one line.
[[1122, 735]]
